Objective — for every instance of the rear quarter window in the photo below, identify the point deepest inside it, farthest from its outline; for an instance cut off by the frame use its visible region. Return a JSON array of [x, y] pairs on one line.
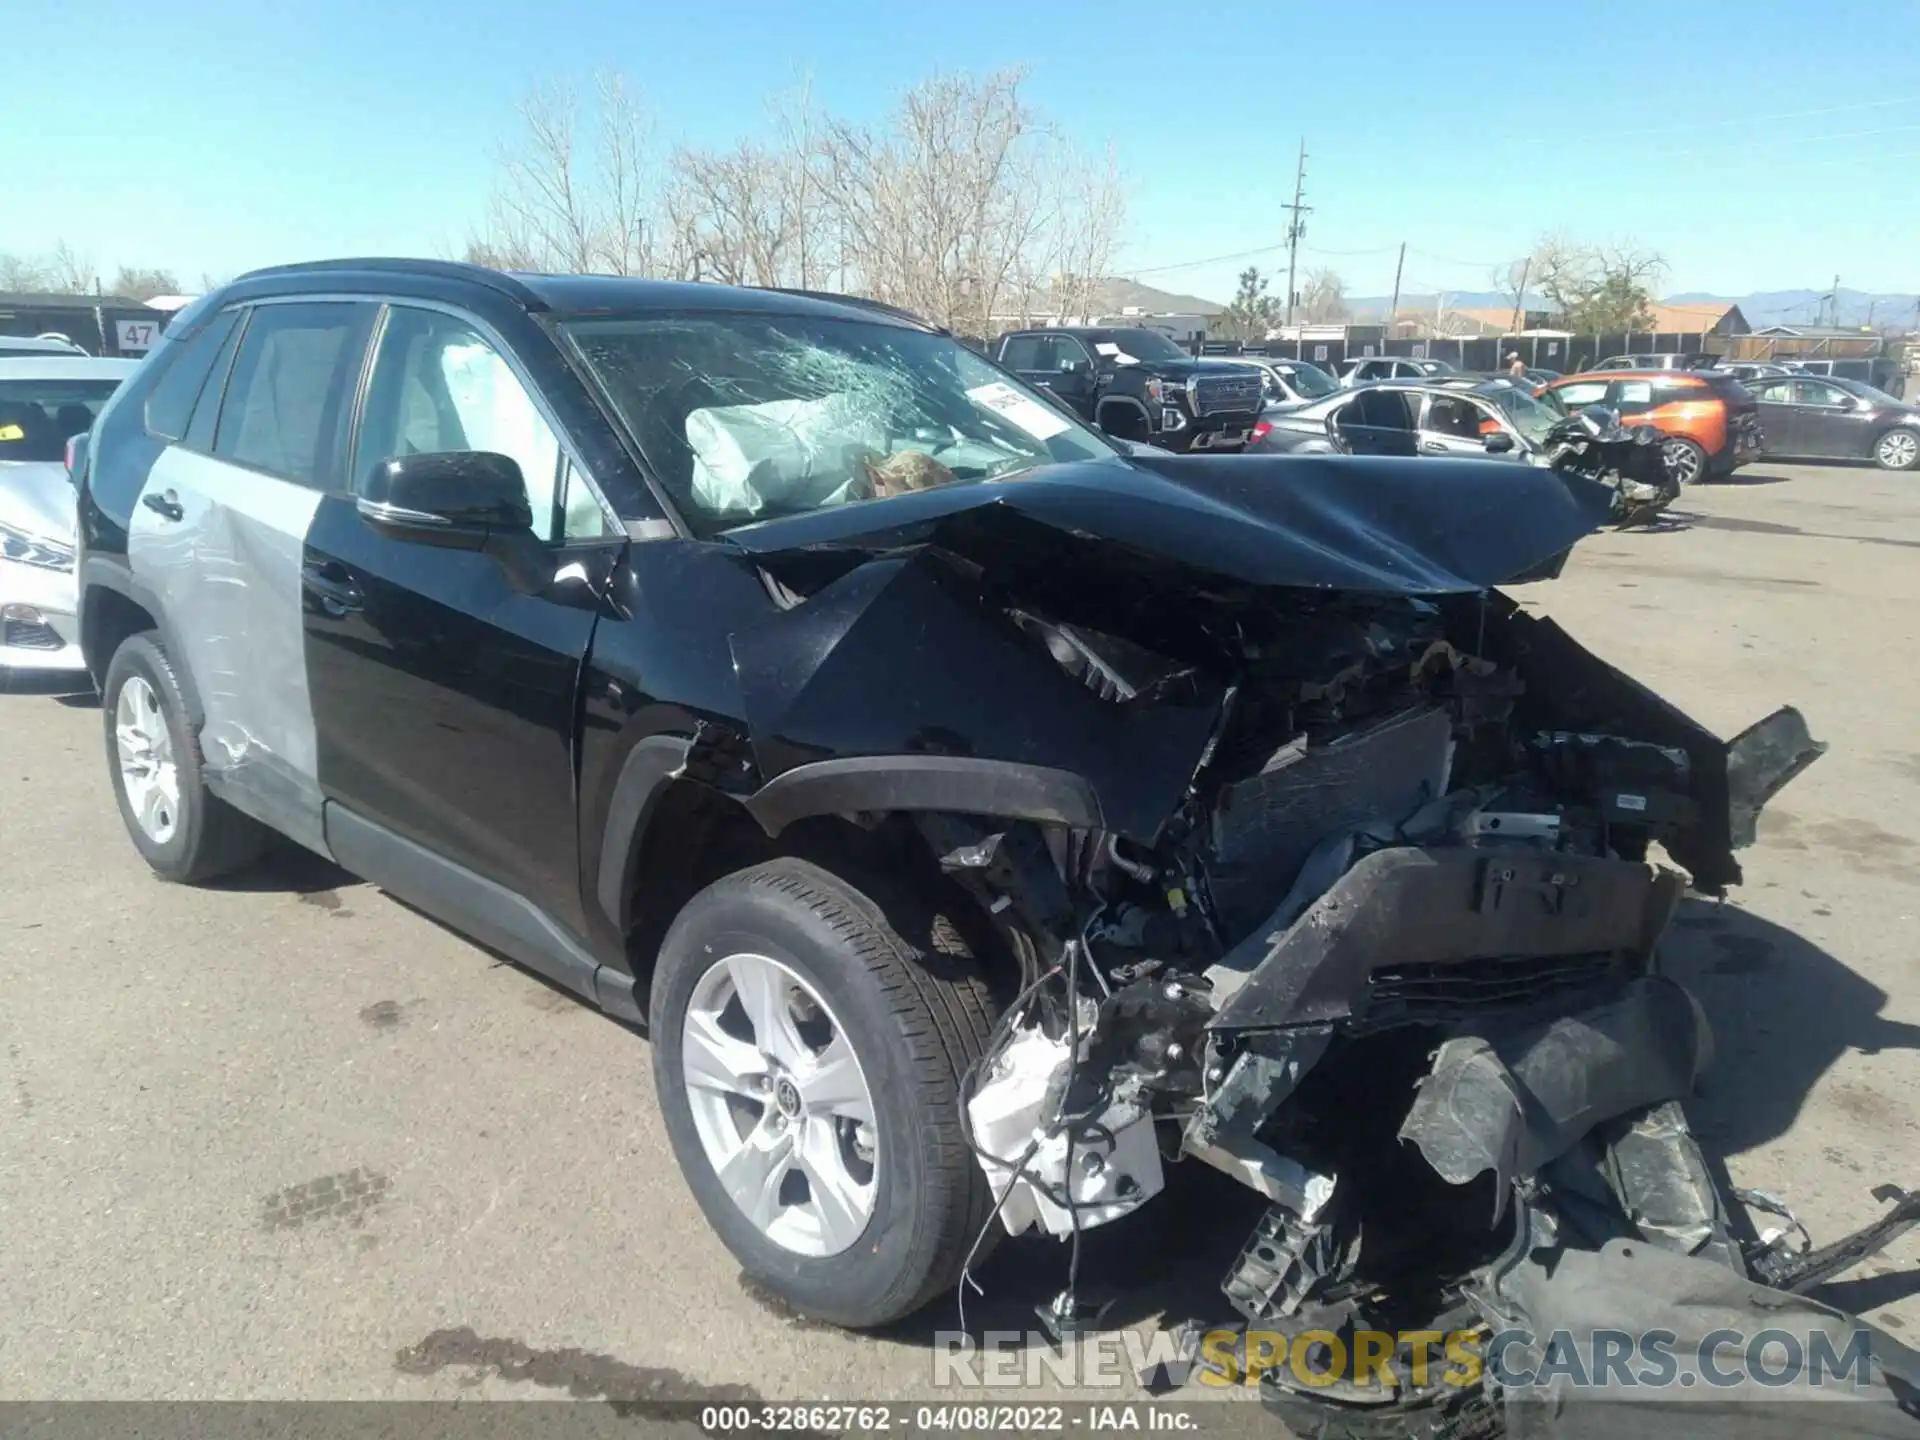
[[185, 366]]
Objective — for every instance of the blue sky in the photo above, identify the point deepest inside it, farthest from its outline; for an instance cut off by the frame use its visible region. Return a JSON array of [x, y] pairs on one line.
[[215, 135]]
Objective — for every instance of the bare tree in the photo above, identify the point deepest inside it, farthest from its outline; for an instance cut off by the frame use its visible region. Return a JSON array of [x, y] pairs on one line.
[[571, 203], [961, 206], [1513, 280], [63, 272], [1087, 210], [137, 284], [1323, 297], [22, 275], [70, 272], [1597, 288]]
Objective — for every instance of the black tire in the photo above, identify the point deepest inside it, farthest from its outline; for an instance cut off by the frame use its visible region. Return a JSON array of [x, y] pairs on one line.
[[1890, 454], [917, 1013], [210, 838], [1686, 459]]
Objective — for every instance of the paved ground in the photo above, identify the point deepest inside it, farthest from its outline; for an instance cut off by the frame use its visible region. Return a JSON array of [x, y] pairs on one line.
[[293, 1140]]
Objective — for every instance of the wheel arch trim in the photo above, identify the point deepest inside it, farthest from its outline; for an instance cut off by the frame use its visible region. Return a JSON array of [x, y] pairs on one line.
[[951, 783], [104, 573]]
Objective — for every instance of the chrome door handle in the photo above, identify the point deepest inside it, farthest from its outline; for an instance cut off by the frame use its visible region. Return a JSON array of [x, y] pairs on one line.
[[333, 587], [166, 505]]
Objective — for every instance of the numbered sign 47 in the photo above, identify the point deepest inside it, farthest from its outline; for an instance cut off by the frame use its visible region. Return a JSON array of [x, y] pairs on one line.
[[135, 337]]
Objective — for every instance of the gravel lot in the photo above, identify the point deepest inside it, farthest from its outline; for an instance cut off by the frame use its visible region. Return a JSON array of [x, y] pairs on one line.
[[291, 1139]]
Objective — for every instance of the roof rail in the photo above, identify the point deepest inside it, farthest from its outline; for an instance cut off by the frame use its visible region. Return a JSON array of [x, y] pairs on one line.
[[495, 280], [859, 301]]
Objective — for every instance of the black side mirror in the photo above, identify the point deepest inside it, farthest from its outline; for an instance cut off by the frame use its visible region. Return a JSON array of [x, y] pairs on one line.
[[454, 493], [1499, 443], [459, 500]]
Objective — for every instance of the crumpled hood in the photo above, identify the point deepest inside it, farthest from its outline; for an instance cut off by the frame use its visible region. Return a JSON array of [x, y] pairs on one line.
[[1368, 525], [37, 497]]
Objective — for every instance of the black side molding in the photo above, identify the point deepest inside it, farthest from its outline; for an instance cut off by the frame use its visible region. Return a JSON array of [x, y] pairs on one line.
[[644, 777], [476, 906], [956, 784]]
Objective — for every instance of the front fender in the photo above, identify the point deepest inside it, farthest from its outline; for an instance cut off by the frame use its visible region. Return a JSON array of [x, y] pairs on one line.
[[902, 685]]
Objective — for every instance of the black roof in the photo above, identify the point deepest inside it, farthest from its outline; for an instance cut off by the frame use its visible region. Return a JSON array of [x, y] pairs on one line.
[[593, 294]]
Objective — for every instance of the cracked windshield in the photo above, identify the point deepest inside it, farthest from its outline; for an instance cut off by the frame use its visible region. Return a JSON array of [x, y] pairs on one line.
[[746, 418]]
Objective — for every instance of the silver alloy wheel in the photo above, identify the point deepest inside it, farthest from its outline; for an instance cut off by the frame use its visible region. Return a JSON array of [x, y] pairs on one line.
[[781, 1104], [148, 775], [1897, 449], [1684, 461]]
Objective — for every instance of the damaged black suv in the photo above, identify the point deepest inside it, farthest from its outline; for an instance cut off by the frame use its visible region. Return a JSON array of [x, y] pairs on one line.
[[976, 816]]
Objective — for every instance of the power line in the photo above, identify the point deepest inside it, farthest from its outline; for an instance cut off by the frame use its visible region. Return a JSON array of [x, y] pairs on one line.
[[1210, 260], [1780, 140], [1763, 119]]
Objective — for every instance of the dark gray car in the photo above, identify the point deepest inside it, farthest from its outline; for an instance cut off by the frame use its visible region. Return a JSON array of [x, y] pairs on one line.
[[1814, 417]]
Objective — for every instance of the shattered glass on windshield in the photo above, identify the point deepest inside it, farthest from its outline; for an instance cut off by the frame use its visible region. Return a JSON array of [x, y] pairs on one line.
[[747, 417]]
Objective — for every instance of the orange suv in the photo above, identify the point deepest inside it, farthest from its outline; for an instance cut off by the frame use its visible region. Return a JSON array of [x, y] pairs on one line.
[[1711, 423]]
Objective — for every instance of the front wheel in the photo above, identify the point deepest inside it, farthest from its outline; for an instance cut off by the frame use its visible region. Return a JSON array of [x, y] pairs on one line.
[[184, 831], [1898, 450], [808, 1051], [1686, 459]]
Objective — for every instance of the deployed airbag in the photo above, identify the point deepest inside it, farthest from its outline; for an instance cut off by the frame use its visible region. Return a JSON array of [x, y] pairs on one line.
[[784, 453]]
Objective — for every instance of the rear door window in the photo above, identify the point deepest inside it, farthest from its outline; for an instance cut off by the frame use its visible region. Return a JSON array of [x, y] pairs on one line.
[[1633, 397], [1818, 392], [290, 395], [1022, 352]]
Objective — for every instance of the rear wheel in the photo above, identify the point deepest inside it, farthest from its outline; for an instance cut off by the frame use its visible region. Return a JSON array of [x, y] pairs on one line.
[[1686, 459], [808, 1049], [1898, 450], [186, 833]]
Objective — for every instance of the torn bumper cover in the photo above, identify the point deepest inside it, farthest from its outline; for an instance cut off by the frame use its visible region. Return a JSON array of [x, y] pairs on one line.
[[1511, 1104]]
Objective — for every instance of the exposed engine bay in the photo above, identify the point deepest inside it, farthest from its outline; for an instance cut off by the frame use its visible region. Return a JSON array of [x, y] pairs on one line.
[[1353, 891], [1395, 967]]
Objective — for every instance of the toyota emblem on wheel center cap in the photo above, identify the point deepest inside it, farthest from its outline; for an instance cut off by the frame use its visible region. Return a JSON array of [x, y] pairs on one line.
[[787, 1096]]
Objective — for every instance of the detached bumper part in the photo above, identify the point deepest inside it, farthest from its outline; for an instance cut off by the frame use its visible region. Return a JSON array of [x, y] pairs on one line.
[[1513, 1104]]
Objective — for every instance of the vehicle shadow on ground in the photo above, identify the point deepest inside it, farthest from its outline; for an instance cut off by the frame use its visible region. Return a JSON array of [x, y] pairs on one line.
[[1782, 1009], [289, 869], [64, 686], [1737, 481]]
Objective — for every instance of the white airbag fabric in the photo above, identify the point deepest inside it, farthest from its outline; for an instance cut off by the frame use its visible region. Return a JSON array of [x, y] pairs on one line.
[[793, 454]]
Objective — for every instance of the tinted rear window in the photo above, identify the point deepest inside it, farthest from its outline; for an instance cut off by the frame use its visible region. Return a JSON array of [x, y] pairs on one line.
[[38, 417]]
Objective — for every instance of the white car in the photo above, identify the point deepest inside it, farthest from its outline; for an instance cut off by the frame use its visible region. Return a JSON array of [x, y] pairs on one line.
[[49, 344], [45, 401]]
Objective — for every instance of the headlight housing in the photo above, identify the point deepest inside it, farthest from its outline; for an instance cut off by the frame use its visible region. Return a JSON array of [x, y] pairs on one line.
[[37, 550]]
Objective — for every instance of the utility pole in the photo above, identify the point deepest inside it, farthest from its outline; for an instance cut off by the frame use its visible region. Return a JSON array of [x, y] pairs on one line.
[[1393, 308], [1832, 300], [1520, 295], [1298, 225]]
